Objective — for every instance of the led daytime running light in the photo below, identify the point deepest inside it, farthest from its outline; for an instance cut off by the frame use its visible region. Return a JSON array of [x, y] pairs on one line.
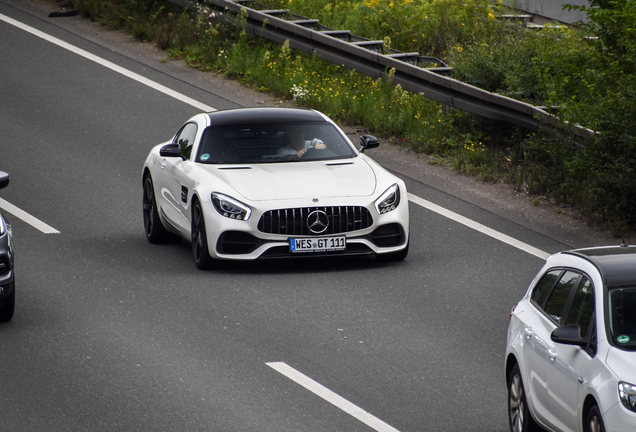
[[230, 208], [389, 200]]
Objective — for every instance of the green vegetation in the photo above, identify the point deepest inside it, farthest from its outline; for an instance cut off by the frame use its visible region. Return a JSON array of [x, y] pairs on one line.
[[584, 81]]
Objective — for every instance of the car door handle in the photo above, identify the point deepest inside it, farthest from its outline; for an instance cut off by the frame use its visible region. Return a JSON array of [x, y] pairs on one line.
[[162, 163], [528, 332], [552, 354]]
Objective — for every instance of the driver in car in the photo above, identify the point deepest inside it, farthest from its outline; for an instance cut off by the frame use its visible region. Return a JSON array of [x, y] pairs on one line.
[[297, 145]]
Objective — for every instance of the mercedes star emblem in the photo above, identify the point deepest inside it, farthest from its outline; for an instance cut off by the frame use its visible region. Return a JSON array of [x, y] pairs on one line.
[[317, 221]]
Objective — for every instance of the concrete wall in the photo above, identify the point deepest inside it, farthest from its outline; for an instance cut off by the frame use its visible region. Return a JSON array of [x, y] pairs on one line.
[[550, 9]]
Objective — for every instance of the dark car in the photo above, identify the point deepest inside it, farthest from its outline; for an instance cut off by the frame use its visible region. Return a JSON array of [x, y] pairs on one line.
[[7, 278]]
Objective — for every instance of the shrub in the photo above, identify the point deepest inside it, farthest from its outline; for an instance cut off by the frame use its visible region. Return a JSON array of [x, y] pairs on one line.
[[429, 27]]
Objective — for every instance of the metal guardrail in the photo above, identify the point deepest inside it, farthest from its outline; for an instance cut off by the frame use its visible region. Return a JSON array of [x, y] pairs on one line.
[[366, 57]]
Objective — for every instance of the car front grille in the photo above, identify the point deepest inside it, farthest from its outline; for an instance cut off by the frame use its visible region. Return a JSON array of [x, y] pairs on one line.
[[293, 222]]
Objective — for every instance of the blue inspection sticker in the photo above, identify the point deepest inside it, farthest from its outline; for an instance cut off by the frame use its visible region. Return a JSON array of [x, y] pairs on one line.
[[623, 339], [205, 156]]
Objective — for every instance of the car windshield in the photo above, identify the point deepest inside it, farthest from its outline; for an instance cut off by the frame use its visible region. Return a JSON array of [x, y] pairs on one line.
[[272, 143], [622, 309]]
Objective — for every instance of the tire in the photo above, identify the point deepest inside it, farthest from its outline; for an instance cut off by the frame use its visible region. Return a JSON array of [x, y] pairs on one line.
[[594, 421], [519, 417], [394, 256], [156, 233], [7, 309], [200, 250]]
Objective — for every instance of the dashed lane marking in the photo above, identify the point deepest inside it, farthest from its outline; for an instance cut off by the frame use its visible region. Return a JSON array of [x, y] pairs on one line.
[[331, 397], [26, 217]]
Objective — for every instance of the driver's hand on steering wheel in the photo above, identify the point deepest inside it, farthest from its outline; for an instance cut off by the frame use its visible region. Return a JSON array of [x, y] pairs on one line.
[[319, 146]]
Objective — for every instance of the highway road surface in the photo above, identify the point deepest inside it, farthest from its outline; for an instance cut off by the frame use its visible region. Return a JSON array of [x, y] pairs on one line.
[[112, 333]]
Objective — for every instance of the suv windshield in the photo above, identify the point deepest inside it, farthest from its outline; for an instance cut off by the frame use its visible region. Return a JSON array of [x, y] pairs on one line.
[[272, 142], [622, 309]]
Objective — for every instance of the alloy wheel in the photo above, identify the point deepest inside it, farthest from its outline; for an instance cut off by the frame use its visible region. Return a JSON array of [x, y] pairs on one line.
[[148, 206], [516, 404], [197, 234]]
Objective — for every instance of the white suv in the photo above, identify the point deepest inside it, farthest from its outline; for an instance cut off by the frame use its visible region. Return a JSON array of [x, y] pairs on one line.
[[571, 350]]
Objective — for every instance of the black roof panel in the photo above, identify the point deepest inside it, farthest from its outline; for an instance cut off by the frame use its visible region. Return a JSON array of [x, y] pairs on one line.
[[264, 115], [617, 264]]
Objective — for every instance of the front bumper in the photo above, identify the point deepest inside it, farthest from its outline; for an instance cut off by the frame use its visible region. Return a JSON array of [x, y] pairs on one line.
[[243, 240], [242, 245], [619, 418], [6, 259]]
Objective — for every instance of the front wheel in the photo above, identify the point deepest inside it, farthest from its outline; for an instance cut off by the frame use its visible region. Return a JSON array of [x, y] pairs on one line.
[[8, 307], [594, 421], [155, 231], [200, 250], [519, 416]]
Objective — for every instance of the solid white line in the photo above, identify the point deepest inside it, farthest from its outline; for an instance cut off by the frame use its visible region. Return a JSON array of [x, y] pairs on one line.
[[109, 65], [479, 227], [331, 397], [21, 214], [185, 99]]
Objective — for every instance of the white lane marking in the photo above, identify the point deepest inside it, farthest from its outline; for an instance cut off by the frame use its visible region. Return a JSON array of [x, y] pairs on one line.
[[110, 65], [479, 227], [21, 214], [331, 397], [185, 99]]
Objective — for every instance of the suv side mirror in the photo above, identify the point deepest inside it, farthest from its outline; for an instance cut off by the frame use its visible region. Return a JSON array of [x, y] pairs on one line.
[[367, 142], [569, 335], [170, 150], [4, 179]]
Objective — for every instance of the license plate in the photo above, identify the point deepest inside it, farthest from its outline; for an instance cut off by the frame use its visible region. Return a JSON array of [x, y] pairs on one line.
[[317, 244]]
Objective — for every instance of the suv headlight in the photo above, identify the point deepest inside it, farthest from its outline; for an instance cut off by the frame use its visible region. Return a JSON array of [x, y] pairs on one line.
[[230, 208], [627, 394], [389, 200]]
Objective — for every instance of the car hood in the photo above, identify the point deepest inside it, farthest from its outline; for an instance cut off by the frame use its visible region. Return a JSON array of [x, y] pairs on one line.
[[292, 180], [622, 364]]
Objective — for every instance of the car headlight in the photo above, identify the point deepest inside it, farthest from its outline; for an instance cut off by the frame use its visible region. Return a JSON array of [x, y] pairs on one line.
[[389, 200], [2, 227], [627, 394], [230, 208]]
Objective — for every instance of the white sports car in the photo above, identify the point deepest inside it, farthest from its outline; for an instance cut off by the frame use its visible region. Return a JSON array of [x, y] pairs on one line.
[[257, 183]]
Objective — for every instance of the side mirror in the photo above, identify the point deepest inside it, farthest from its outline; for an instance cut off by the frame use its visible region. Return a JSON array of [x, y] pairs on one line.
[[170, 150], [367, 142], [568, 335], [4, 179]]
